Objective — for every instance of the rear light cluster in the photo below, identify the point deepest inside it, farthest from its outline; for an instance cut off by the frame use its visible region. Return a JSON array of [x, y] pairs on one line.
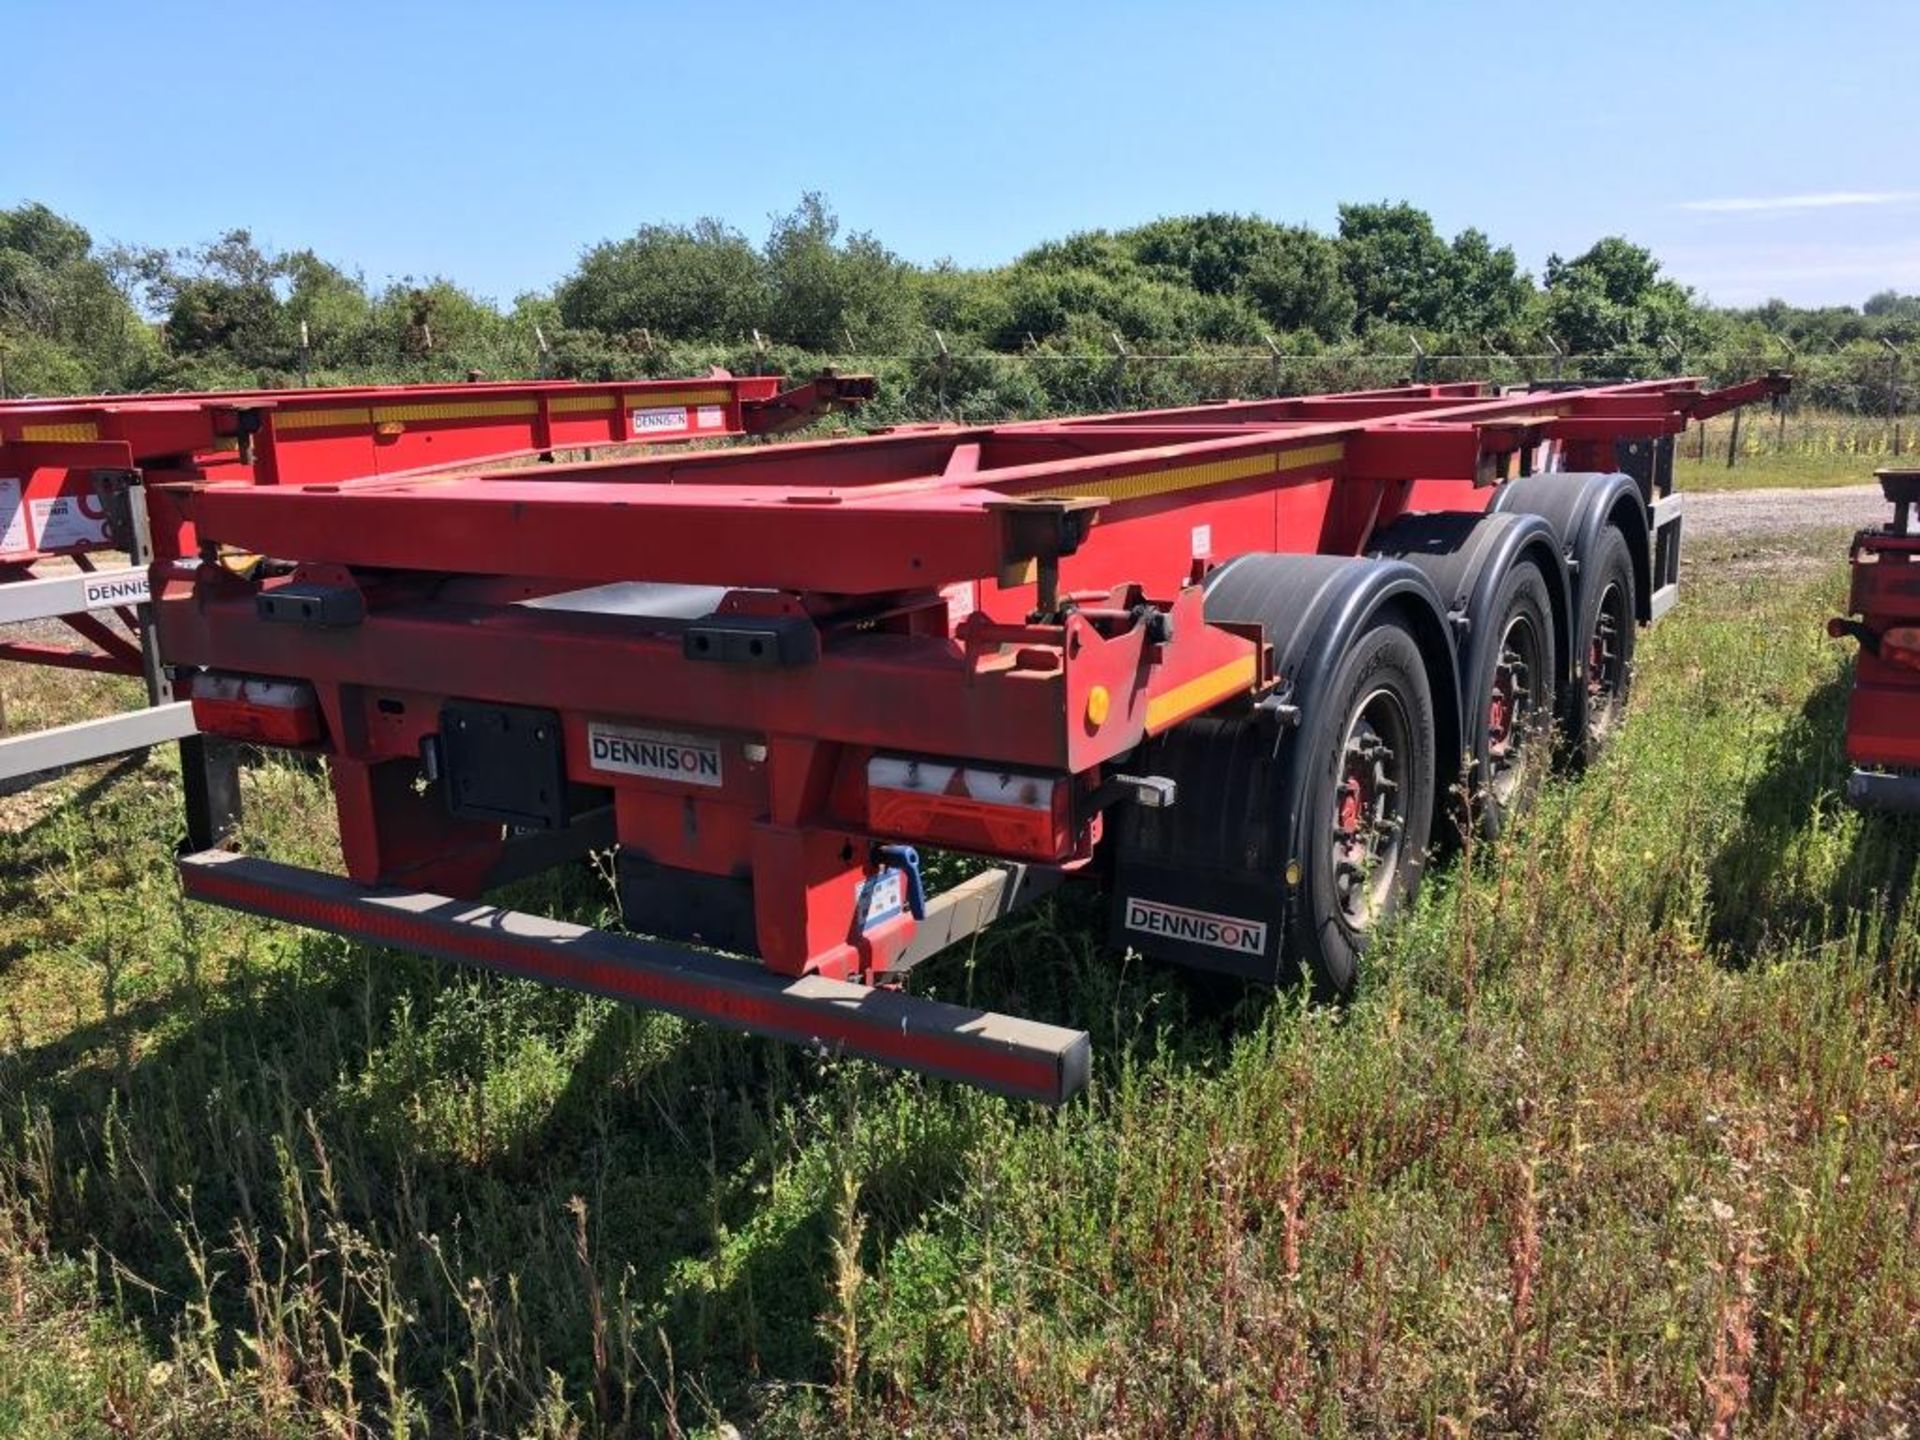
[[1017, 814], [266, 712], [1900, 645]]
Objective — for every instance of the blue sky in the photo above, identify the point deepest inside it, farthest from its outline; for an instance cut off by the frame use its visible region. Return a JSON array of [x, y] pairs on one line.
[[1759, 148]]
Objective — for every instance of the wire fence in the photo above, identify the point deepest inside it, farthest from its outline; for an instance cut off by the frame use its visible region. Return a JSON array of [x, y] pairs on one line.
[[1841, 404], [1853, 401]]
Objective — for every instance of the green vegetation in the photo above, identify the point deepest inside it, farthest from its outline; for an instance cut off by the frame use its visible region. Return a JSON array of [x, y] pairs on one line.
[[1619, 1138], [1800, 449], [1247, 305]]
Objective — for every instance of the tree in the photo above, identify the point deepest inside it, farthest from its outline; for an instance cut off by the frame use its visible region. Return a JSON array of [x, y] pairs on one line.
[[219, 301], [1612, 301], [1487, 291], [1396, 264], [1289, 274], [65, 318], [703, 281], [1297, 283], [825, 290], [335, 308]]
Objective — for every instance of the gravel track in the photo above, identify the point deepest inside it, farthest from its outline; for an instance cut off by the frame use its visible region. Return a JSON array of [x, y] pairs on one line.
[[1768, 514]]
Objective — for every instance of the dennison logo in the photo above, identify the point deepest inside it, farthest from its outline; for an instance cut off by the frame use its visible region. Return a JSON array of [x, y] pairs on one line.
[[654, 754], [1198, 927]]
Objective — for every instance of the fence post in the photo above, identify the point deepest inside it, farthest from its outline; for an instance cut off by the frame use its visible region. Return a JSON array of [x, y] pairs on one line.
[[941, 363], [1121, 356], [1780, 401], [1559, 357], [1893, 392], [306, 354], [1273, 388]]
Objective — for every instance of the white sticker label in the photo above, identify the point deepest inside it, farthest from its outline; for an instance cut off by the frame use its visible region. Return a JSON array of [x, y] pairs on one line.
[[64, 521], [14, 539], [655, 754], [663, 417], [962, 600], [882, 898], [101, 591], [1198, 927], [1203, 542], [712, 417]]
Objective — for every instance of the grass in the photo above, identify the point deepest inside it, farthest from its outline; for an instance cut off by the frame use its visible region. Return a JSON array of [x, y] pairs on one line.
[[1812, 449], [1623, 1136]]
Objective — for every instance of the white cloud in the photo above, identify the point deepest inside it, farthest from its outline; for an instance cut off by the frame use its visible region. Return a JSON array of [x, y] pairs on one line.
[[1824, 200], [1805, 273]]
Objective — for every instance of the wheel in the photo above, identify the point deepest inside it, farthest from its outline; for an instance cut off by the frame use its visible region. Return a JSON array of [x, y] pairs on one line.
[[1367, 810], [1513, 693], [1603, 646]]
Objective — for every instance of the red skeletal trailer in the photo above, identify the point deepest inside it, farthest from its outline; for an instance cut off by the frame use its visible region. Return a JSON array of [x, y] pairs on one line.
[[1229, 661]]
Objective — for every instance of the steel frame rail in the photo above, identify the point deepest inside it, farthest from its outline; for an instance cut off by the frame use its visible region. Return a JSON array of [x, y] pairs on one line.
[[60, 459]]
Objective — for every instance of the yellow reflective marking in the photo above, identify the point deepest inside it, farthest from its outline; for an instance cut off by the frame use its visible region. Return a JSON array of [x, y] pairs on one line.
[[1214, 472], [580, 404], [663, 399], [84, 430], [345, 416], [352, 416], [1201, 692], [457, 410]]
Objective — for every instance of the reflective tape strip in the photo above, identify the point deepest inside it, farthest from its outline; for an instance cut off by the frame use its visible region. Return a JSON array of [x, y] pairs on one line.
[[345, 416], [657, 399], [1022, 1058], [351, 416], [580, 404], [1213, 472], [85, 430], [457, 410], [1201, 692]]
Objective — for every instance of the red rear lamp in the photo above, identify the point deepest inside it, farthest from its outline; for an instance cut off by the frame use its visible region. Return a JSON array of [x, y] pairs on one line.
[[1900, 645], [265, 712], [1017, 814]]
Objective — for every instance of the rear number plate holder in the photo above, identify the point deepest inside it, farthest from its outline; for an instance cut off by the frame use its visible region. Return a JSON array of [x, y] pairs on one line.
[[505, 763]]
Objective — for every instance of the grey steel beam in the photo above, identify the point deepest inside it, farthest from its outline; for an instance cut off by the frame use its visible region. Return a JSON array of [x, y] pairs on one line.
[[74, 594], [1022, 1058], [47, 751], [972, 905]]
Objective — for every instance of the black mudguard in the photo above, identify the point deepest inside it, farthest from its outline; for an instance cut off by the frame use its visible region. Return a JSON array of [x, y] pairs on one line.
[[1205, 882]]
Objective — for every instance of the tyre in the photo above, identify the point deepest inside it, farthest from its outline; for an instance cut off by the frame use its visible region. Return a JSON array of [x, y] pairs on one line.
[[1367, 812], [1604, 635], [1511, 698]]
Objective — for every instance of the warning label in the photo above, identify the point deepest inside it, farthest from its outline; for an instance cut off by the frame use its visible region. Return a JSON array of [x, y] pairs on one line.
[[881, 898], [14, 539], [654, 754], [962, 600], [712, 417], [62, 522]]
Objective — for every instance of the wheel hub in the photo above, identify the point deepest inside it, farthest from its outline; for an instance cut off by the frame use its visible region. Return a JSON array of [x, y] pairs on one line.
[[1511, 711], [1606, 668], [1366, 823]]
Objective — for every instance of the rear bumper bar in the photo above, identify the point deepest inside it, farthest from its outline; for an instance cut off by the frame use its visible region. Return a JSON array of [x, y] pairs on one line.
[[1020, 1058], [1874, 790]]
